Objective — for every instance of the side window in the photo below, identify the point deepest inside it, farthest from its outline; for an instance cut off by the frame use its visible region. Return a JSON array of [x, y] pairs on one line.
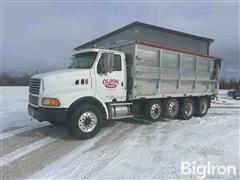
[[117, 63]]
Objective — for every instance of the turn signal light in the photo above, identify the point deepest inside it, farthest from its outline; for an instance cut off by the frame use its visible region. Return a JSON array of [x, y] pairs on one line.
[[54, 102], [50, 102]]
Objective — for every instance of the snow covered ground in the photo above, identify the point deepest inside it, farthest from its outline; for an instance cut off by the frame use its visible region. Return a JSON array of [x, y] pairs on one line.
[[225, 100], [122, 149], [14, 106]]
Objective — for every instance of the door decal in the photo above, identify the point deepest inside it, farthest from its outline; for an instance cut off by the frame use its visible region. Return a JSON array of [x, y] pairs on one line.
[[110, 83]]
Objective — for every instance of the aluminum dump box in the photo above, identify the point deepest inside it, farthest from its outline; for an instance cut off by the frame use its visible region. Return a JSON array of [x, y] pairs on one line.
[[158, 72]]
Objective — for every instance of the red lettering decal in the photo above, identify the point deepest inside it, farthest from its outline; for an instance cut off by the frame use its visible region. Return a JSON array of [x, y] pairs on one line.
[[110, 83]]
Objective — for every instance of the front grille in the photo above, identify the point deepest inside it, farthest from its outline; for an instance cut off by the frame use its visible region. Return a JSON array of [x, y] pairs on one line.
[[33, 100], [34, 86]]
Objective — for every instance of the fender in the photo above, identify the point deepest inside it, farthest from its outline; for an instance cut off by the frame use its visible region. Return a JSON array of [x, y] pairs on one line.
[[69, 97], [85, 99]]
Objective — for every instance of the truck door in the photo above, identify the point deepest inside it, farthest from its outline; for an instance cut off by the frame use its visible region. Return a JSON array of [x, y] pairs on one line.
[[111, 84]]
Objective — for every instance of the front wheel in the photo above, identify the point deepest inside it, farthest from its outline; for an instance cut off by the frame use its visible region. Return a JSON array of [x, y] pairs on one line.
[[85, 122]]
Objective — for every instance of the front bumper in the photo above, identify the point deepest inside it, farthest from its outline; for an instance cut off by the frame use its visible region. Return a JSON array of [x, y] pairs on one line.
[[48, 114]]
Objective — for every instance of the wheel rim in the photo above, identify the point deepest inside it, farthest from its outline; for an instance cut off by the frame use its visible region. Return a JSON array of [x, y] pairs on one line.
[[155, 111], [173, 109], [87, 121], [189, 109], [203, 107]]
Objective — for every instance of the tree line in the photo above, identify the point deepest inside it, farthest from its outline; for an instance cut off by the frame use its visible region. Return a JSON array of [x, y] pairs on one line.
[[11, 80], [229, 84]]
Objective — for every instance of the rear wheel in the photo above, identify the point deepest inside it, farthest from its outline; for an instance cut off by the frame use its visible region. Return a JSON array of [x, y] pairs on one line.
[[171, 108], [85, 122], [187, 109], [202, 107], [153, 110]]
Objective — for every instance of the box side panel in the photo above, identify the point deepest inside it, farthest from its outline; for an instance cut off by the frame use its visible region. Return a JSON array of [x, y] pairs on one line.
[[146, 71], [160, 73]]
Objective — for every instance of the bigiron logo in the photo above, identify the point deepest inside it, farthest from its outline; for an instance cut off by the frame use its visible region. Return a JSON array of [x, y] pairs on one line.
[[110, 83], [202, 171]]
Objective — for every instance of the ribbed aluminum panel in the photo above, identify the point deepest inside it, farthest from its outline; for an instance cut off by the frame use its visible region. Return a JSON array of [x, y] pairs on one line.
[[161, 72]]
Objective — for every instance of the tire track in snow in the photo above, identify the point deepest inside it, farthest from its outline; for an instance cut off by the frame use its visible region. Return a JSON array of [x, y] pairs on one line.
[[21, 130], [8, 158], [89, 167], [71, 157], [90, 155], [45, 156], [40, 158], [77, 158], [23, 139], [114, 150], [123, 165], [226, 107]]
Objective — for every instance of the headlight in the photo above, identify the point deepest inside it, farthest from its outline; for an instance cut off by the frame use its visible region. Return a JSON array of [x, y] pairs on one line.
[[50, 102]]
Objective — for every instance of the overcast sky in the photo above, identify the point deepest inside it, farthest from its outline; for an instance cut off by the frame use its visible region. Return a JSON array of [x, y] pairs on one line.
[[44, 34]]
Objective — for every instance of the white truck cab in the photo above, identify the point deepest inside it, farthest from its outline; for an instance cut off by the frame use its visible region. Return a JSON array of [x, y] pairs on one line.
[[87, 75], [95, 76], [104, 84]]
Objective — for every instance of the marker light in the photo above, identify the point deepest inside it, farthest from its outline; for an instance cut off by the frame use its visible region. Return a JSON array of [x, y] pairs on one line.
[[50, 102]]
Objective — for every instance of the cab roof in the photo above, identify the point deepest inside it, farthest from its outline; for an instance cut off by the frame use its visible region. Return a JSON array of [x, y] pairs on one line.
[[94, 50]]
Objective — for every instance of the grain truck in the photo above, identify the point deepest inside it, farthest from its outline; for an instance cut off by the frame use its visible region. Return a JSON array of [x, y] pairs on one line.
[[123, 80]]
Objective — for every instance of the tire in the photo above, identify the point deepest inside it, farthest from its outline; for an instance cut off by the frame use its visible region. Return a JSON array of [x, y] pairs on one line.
[[171, 108], [153, 110], [202, 107], [187, 109], [85, 122]]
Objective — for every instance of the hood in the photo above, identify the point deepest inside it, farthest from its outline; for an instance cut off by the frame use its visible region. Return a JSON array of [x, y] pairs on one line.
[[61, 73], [62, 79]]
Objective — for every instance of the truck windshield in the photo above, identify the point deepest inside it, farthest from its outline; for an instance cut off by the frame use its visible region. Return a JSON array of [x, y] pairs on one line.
[[83, 60]]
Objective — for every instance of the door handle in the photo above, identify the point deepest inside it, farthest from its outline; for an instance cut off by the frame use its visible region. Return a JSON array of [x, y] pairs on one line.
[[122, 84]]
